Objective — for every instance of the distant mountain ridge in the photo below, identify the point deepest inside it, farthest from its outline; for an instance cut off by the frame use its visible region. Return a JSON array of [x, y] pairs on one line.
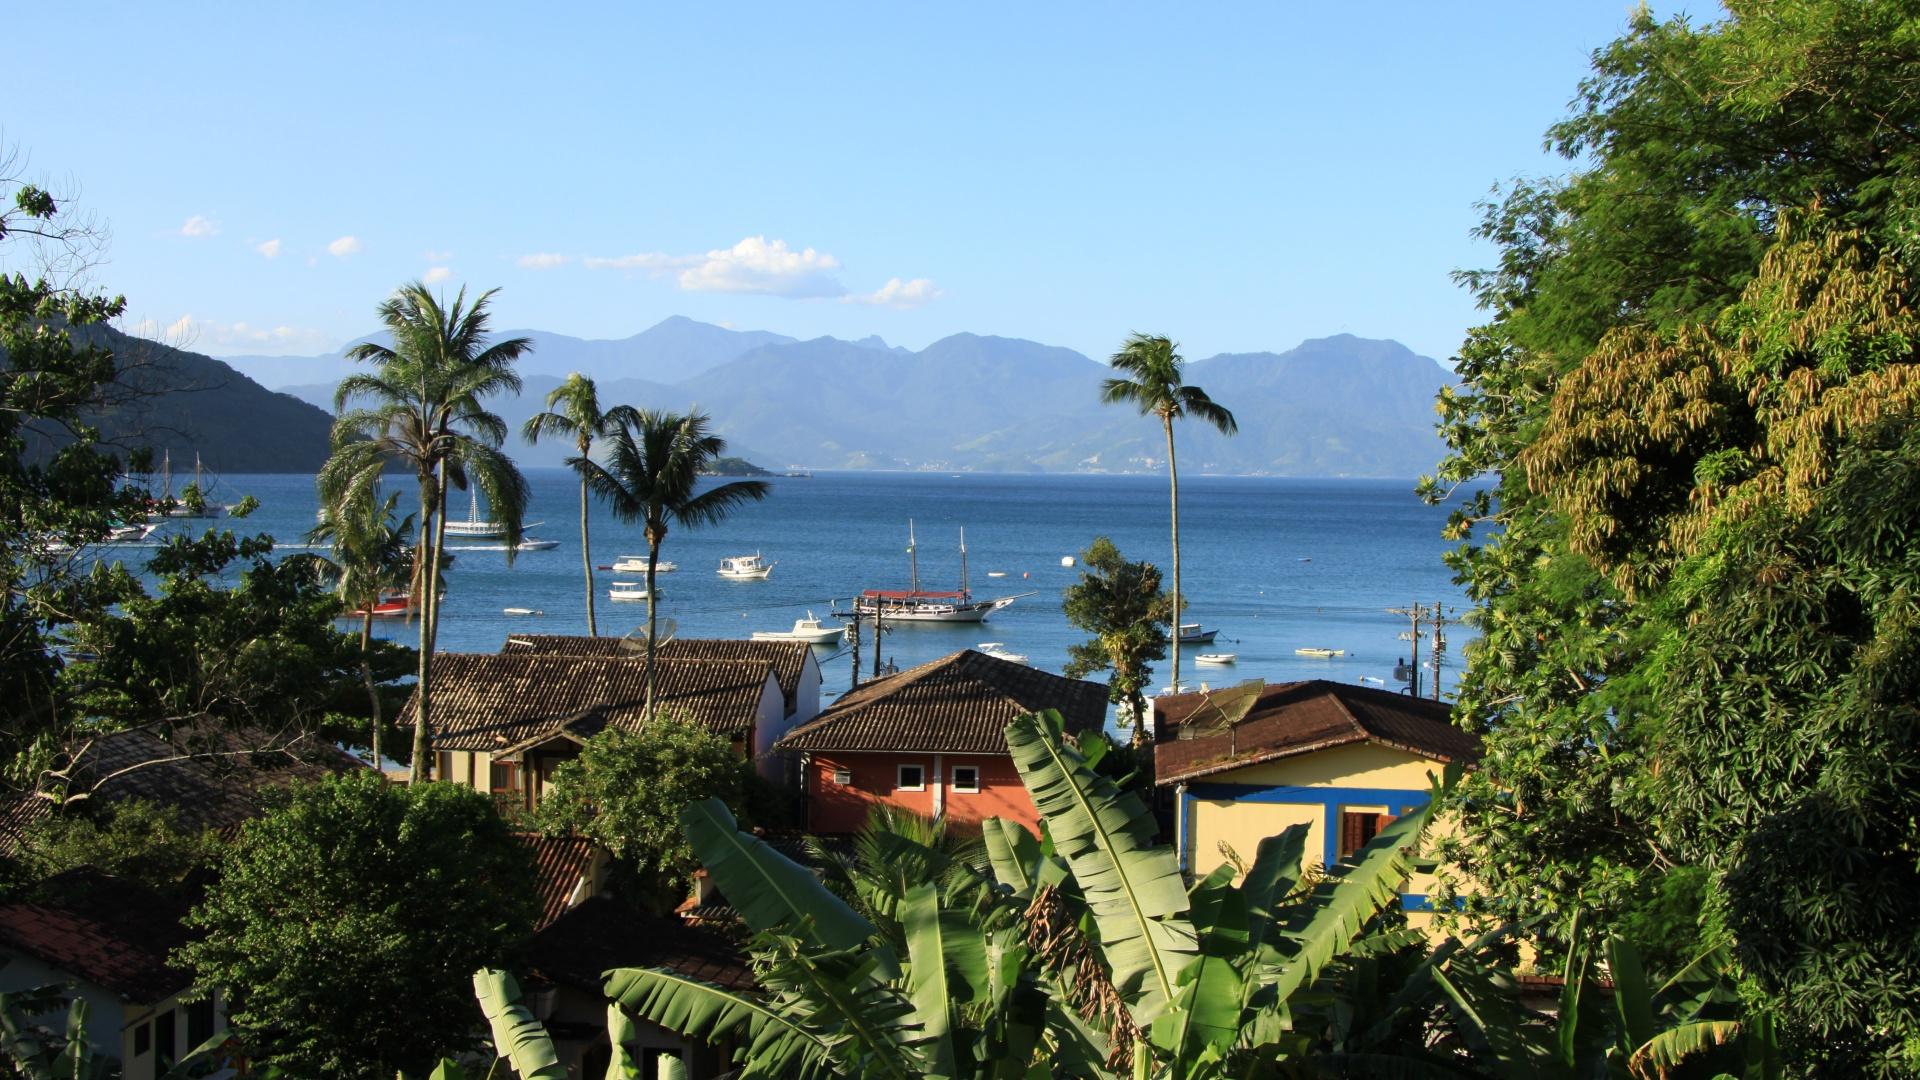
[[1333, 406]]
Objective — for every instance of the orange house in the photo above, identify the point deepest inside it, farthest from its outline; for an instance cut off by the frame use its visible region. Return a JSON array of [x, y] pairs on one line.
[[932, 740]]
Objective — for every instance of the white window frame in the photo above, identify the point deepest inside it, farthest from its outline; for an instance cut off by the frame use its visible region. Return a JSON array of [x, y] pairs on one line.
[[960, 789], [900, 778]]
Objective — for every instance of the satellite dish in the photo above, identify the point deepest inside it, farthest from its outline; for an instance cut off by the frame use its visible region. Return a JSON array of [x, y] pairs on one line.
[[635, 640]]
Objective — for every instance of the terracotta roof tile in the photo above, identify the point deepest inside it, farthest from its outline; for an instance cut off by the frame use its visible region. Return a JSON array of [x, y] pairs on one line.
[[598, 934], [489, 701], [958, 704], [1295, 718], [103, 930], [559, 862], [788, 659]]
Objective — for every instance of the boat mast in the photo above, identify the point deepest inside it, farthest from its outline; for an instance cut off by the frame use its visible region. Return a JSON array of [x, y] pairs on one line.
[[473, 506], [166, 474], [913, 562], [963, 564]]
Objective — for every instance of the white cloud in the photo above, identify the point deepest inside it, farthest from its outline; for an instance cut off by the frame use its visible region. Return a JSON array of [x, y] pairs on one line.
[[435, 275], [900, 294], [271, 249], [343, 247], [545, 260], [187, 332], [199, 226], [437, 256], [754, 265]]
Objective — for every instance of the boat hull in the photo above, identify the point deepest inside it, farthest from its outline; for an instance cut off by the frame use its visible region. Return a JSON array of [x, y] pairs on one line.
[[1203, 637]]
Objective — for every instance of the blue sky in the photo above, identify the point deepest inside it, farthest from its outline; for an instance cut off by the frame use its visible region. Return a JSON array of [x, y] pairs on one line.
[[1239, 177]]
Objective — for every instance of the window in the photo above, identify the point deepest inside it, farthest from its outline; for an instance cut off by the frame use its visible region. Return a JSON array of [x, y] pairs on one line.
[[142, 1039], [966, 779], [912, 778], [1357, 828], [199, 1022], [505, 776], [163, 1048]]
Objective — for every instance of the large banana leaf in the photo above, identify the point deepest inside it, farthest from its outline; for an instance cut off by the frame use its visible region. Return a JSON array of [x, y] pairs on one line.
[[1325, 924], [948, 970], [1665, 1051], [1013, 853], [622, 1033], [774, 1044], [1272, 877], [517, 1036], [1132, 888], [843, 992], [1205, 1018], [770, 891]]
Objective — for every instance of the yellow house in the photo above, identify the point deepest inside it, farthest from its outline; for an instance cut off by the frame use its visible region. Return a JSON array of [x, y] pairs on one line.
[[1342, 760]]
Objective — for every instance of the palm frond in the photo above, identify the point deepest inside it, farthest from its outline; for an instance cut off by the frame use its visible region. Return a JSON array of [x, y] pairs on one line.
[[769, 1042]]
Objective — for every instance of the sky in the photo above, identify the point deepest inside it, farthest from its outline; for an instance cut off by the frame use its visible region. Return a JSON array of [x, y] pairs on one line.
[[1237, 177]]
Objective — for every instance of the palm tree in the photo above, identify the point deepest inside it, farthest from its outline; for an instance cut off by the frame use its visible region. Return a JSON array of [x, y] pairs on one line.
[[1156, 388], [653, 465], [573, 408], [425, 414], [371, 557]]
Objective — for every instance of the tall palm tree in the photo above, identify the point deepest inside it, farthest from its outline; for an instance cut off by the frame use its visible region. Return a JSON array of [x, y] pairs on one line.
[[573, 408], [653, 465], [425, 414], [371, 558], [1156, 388]]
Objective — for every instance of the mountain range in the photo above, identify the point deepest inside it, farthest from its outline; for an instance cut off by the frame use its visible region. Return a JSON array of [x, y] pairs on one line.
[[1334, 406]]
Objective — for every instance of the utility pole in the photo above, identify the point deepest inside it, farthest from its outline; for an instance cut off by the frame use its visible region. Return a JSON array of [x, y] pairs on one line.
[[1416, 616], [1439, 645], [878, 629], [853, 636]]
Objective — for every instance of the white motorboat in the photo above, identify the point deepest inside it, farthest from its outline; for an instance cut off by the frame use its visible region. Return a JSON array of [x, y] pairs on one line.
[[999, 651], [809, 630], [914, 604], [996, 573], [521, 611], [1320, 654], [1215, 658], [527, 543], [1192, 633], [637, 564], [628, 590], [745, 568], [128, 534]]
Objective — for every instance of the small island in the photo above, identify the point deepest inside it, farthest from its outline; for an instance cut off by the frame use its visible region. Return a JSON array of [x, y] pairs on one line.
[[734, 466]]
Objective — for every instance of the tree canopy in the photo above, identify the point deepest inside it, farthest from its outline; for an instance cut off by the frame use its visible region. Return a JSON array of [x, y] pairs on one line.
[[1123, 606]]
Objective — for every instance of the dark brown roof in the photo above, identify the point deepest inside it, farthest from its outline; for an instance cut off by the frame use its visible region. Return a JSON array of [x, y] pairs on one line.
[[491, 701], [559, 862], [211, 777], [103, 930], [1296, 718], [787, 658], [598, 934], [958, 704]]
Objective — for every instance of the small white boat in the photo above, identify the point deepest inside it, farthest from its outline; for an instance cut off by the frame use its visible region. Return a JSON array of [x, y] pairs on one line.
[[628, 590], [521, 611], [999, 651], [745, 568], [637, 564], [996, 573], [527, 543], [809, 630], [1320, 654], [1373, 680], [1191, 633], [127, 534], [1215, 658]]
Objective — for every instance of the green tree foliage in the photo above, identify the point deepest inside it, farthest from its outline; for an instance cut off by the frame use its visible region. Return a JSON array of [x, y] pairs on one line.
[[1152, 379], [424, 413], [1122, 605], [134, 839], [370, 560], [1695, 392], [626, 789], [573, 408], [654, 461], [347, 923]]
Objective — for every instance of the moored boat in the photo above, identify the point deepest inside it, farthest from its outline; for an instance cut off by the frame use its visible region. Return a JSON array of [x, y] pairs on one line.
[[628, 590], [637, 564], [915, 604], [1320, 654], [476, 528], [1215, 658], [1192, 633], [391, 606], [745, 568], [999, 651], [809, 630]]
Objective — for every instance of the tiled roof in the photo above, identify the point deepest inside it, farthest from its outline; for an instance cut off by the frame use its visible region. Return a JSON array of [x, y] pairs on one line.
[[1295, 718], [217, 785], [559, 862], [103, 930], [958, 704], [491, 701], [788, 659], [598, 934]]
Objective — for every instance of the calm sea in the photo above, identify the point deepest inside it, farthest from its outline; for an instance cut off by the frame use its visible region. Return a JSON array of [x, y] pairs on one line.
[[1274, 564]]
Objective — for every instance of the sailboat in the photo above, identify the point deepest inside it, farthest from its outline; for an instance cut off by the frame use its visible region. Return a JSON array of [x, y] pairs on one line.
[[915, 604], [474, 528], [205, 509]]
